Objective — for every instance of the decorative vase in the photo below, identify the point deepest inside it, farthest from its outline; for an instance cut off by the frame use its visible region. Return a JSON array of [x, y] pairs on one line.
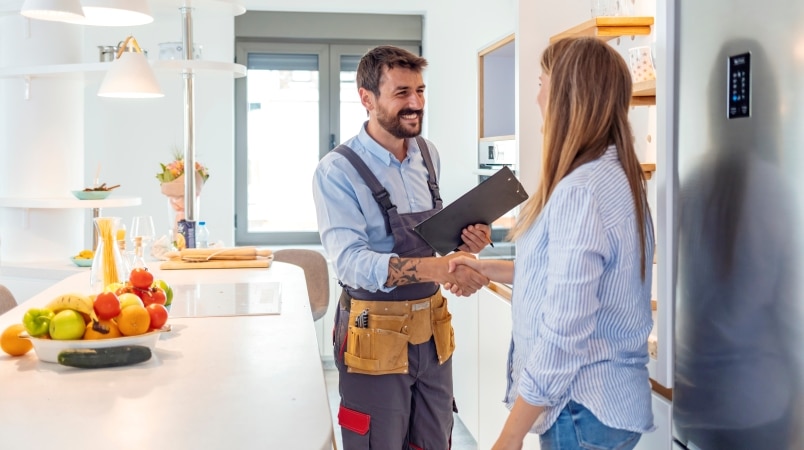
[[107, 265]]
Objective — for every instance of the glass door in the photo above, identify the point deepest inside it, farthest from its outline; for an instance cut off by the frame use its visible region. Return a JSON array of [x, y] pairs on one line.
[[297, 102]]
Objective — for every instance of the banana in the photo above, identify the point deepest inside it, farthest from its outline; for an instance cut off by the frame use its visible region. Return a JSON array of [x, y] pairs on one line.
[[77, 302]]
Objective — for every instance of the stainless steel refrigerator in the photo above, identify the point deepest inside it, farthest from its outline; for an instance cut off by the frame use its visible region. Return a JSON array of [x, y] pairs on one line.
[[739, 146]]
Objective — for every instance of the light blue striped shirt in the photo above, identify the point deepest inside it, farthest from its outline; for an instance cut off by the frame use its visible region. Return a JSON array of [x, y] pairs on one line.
[[581, 312], [351, 223]]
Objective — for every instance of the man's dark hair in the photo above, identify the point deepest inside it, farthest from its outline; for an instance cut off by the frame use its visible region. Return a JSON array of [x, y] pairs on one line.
[[372, 64]]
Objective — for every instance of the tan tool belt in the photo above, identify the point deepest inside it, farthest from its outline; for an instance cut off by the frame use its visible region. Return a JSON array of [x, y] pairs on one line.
[[380, 331]]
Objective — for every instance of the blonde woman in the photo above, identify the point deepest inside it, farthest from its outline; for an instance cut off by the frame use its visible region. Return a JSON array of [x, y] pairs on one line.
[[582, 278]]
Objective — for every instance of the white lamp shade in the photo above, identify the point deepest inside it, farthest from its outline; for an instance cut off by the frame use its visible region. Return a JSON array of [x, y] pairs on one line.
[[113, 13], [130, 76], [54, 10]]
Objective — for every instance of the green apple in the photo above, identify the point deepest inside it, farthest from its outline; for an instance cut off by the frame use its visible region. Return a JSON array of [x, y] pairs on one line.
[[168, 290], [128, 299], [113, 287], [67, 324]]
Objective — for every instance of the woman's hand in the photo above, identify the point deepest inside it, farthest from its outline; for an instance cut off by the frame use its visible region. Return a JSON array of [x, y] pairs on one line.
[[519, 421], [475, 238]]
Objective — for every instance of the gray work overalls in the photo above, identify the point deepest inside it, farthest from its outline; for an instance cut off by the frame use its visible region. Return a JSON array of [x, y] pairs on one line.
[[396, 411]]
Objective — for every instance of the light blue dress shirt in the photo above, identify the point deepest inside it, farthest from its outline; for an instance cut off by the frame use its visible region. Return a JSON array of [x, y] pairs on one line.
[[351, 223], [581, 312]]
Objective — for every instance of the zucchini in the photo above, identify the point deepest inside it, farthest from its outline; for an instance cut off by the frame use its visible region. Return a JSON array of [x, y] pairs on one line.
[[97, 358]]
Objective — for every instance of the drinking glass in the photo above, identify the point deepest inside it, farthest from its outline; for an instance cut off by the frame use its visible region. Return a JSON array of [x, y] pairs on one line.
[[142, 226]]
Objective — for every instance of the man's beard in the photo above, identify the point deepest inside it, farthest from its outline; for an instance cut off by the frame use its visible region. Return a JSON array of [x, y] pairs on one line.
[[393, 124]]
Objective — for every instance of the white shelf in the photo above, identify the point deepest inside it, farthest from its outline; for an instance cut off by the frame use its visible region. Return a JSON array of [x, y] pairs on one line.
[[179, 66], [67, 202], [199, 66], [53, 70]]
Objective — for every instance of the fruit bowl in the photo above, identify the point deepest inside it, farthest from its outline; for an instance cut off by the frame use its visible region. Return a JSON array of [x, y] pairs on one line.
[[91, 195], [48, 349], [81, 262]]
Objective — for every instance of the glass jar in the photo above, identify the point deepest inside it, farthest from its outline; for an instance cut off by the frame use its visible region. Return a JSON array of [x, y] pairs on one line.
[[107, 265]]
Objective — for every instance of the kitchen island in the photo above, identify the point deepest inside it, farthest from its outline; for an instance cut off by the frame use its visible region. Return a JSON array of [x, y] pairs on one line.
[[248, 378]]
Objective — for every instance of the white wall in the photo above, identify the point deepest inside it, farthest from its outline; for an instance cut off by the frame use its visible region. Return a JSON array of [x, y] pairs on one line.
[[130, 138], [453, 33]]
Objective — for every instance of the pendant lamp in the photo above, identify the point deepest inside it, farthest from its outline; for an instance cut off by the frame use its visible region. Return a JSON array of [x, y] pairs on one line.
[[53, 10], [115, 13], [130, 75]]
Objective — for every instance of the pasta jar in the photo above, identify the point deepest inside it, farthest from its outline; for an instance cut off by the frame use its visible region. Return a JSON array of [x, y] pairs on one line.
[[107, 265]]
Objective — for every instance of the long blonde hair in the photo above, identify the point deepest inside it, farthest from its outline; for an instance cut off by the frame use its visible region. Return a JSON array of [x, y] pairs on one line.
[[587, 110]]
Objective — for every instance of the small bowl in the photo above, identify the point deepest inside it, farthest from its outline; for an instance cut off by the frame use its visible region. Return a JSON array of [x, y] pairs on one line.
[[81, 262], [48, 349], [91, 195]]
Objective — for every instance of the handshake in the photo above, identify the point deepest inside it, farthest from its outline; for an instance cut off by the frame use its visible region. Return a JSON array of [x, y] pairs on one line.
[[463, 275]]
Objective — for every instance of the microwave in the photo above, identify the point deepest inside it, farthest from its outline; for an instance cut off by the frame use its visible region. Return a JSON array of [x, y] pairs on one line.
[[496, 152]]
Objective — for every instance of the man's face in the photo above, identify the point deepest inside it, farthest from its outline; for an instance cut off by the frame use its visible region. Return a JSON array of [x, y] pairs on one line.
[[400, 107]]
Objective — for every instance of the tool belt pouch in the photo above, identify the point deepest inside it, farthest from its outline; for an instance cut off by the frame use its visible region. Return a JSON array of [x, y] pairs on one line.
[[379, 349], [443, 333]]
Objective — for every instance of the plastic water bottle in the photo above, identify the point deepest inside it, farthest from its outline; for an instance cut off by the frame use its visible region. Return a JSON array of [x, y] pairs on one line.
[[202, 235]]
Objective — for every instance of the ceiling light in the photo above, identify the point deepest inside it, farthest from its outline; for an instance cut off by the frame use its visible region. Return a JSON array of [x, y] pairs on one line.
[[115, 13], [53, 10], [130, 75]]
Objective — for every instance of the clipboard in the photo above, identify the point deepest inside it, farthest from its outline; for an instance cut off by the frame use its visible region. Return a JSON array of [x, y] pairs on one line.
[[484, 203]]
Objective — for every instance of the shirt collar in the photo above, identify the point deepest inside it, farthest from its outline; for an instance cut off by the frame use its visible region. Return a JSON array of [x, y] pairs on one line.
[[378, 151], [610, 153]]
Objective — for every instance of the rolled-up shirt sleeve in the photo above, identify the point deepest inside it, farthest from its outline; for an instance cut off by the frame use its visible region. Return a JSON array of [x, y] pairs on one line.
[[576, 247], [345, 231]]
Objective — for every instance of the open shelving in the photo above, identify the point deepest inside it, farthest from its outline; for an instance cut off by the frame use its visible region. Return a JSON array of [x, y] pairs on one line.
[[607, 28]]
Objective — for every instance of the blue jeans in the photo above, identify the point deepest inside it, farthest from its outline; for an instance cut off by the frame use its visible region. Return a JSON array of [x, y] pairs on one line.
[[577, 428]]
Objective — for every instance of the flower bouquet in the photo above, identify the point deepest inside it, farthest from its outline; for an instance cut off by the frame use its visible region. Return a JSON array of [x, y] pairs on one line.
[[171, 181]]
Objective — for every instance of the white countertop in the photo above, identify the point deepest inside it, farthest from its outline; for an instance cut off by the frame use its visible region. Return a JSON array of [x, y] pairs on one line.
[[251, 381]]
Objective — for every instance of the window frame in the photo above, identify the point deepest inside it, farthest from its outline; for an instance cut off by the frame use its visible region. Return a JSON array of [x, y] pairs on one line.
[[329, 53]]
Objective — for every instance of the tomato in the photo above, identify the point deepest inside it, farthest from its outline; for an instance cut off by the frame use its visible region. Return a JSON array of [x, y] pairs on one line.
[[159, 315], [144, 295], [106, 305], [141, 278], [127, 288], [159, 296]]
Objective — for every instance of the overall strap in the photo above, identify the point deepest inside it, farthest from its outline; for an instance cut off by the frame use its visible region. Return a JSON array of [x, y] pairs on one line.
[[432, 183], [379, 192]]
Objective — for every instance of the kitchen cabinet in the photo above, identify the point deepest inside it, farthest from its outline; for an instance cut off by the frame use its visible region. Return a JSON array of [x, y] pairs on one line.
[[661, 439], [466, 361], [494, 340]]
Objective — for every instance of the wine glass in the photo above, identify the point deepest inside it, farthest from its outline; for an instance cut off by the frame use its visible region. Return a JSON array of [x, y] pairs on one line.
[[142, 226]]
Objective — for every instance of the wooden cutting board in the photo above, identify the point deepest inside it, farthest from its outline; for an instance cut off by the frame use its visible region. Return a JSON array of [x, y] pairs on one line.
[[216, 264]]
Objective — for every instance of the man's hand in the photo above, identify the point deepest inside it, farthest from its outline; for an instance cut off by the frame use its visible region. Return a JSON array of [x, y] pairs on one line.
[[403, 271], [475, 238]]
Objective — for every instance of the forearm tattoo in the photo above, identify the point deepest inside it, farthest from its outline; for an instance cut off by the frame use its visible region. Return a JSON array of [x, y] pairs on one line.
[[402, 271]]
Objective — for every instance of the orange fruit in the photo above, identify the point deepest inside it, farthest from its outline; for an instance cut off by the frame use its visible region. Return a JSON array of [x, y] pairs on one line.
[[12, 343], [114, 331], [133, 320]]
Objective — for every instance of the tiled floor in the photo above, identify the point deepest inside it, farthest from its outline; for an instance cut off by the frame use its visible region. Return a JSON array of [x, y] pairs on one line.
[[461, 439]]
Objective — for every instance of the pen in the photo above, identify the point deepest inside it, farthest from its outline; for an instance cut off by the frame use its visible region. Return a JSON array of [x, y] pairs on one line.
[[490, 242]]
